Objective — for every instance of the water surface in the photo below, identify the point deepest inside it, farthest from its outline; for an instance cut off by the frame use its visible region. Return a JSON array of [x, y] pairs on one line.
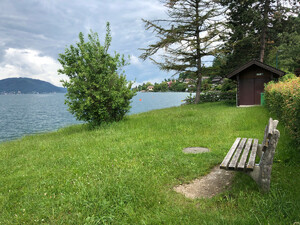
[[35, 113]]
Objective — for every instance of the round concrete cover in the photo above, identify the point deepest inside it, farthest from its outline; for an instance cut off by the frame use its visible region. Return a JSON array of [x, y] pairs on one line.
[[195, 150]]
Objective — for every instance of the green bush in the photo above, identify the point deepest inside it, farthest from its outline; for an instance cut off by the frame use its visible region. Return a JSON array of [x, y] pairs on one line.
[[287, 77], [283, 100], [97, 90], [228, 85], [214, 96]]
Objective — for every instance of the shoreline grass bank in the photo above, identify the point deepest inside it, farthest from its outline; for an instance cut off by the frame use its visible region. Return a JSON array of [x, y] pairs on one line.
[[123, 173]]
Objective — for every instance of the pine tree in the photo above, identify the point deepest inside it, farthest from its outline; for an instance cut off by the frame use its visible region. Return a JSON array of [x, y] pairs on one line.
[[254, 26], [190, 33]]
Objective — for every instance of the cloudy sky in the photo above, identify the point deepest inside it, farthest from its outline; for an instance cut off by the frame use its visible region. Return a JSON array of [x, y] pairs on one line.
[[34, 32]]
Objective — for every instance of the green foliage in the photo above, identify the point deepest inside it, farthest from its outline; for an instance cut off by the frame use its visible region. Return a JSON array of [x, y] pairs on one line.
[[178, 87], [241, 52], [219, 63], [228, 85], [243, 32], [167, 85], [97, 90], [184, 75], [287, 77], [214, 96], [289, 56], [162, 87], [283, 100], [256, 29], [286, 56], [206, 85]]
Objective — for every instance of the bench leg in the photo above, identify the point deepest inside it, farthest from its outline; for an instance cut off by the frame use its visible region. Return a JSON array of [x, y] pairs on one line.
[[262, 176], [262, 171]]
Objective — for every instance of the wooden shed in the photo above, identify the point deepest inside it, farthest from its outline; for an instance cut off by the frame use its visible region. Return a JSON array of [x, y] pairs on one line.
[[251, 78]]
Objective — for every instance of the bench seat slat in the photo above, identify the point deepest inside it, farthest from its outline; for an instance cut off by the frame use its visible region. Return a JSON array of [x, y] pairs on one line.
[[224, 164], [242, 163], [235, 158], [251, 162]]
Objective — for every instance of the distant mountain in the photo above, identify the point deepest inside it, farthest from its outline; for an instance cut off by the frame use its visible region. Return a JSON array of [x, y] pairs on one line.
[[27, 86]]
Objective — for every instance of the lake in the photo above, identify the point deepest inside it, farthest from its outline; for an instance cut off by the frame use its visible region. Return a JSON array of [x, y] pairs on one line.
[[35, 113]]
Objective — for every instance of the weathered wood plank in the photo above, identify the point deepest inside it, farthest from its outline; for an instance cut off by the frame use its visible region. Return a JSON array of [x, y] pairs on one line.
[[235, 158], [224, 164], [251, 161], [244, 157]]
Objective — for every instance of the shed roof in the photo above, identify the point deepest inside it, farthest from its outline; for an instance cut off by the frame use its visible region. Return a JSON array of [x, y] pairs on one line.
[[258, 63]]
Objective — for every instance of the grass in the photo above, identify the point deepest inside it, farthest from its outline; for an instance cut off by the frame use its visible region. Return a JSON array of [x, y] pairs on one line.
[[123, 173]]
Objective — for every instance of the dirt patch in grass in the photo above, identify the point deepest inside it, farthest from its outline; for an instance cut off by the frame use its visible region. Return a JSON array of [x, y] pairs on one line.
[[208, 186]]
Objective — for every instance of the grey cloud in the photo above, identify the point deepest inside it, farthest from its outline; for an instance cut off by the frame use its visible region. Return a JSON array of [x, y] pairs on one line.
[[50, 26]]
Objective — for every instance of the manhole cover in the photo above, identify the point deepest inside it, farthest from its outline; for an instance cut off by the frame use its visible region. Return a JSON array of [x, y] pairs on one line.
[[195, 150]]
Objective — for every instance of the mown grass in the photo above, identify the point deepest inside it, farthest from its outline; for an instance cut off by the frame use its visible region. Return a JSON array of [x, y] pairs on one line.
[[124, 173]]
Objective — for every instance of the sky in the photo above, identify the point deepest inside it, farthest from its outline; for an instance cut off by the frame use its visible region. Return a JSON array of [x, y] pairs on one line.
[[34, 32]]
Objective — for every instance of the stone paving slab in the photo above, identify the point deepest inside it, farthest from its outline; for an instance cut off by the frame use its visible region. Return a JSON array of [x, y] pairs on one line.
[[195, 150]]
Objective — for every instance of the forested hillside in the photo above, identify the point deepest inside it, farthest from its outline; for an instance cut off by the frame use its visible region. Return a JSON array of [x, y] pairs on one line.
[[27, 86]]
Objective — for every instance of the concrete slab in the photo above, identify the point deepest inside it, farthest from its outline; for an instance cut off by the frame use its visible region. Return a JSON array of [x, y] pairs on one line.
[[195, 150]]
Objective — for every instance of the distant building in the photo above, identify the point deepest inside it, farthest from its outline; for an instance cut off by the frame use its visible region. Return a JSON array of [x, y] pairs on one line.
[[217, 80], [188, 80], [171, 82], [150, 88]]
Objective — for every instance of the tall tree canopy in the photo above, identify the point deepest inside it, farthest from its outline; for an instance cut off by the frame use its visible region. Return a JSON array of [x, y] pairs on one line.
[[286, 55], [190, 32], [254, 26]]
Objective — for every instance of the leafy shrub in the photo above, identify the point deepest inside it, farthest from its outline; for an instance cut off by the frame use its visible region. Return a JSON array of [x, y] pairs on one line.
[[206, 85], [283, 99], [97, 90], [287, 77], [214, 96], [228, 85]]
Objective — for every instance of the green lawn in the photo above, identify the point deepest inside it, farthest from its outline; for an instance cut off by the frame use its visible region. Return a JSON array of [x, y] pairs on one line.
[[124, 173]]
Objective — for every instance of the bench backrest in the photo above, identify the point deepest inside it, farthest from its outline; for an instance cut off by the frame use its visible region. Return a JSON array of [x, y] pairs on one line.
[[270, 141], [269, 131]]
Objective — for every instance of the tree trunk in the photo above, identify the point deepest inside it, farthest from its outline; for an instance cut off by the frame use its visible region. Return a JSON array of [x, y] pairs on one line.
[[264, 31], [198, 71], [198, 87]]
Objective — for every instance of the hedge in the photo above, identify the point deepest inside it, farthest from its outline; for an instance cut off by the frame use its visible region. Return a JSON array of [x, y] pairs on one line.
[[283, 100], [214, 96]]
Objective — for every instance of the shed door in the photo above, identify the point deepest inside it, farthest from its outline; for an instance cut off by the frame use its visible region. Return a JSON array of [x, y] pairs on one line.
[[246, 92], [250, 90]]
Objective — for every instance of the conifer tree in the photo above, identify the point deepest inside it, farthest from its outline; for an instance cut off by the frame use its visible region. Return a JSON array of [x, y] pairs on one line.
[[254, 26], [190, 32]]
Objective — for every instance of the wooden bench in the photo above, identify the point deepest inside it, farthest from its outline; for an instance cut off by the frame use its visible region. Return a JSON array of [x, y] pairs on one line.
[[243, 152]]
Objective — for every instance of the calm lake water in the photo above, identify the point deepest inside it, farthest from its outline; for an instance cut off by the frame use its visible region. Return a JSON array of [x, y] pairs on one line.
[[28, 114]]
